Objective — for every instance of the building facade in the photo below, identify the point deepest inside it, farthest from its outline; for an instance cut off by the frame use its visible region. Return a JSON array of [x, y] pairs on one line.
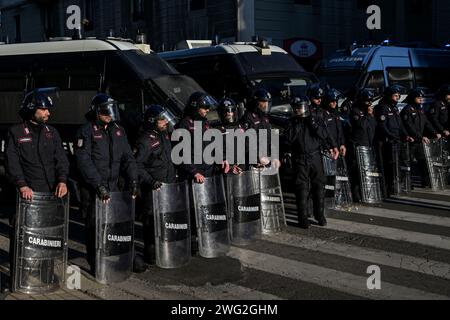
[[333, 23]]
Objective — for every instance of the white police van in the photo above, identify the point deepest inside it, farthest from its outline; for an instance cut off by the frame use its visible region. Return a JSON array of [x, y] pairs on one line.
[[81, 69], [236, 69], [377, 67]]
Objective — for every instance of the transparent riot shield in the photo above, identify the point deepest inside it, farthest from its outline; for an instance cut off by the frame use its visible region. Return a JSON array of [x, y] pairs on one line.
[[40, 252], [244, 206], [436, 167], [114, 238], [273, 216], [445, 147], [370, 177], [211, 217], [343, 199], [172, 225], [401, 168], [330, 170]]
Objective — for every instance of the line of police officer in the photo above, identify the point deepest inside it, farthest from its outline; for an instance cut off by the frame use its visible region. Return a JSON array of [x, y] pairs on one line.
[[36, 161]]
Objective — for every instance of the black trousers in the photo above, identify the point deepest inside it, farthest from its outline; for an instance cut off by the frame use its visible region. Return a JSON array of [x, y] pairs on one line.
[[309, 177]]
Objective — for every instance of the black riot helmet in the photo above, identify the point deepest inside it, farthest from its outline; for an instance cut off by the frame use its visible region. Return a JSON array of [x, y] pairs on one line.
[[226, 107], [414, 94], [331, 95], [315, 91], [199, 100], [155, 112], [394, 89], [301, 106], [261, 95], [443, 92], [103, 104], [366, 95], [36, 99]]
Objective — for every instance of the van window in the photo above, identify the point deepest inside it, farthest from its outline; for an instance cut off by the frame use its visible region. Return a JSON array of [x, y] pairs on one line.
[[401, 76], [375, 80], [12, 82], [431, 78]]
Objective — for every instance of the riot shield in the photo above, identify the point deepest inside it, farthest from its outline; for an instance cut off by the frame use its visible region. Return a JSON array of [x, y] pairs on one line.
[[244, 206], [114, 238], [445, 143], [330, 170], [273, 216], [370, 177], [436, 167], [172, 225], [343, 199], [211, 217], [40, 251], [401, 168]]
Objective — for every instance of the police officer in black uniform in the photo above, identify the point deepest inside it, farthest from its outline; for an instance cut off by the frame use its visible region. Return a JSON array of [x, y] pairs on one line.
[[35, 158], [333, 120], [316, 94], [390, 132], [438, 112], [256, 117], [418, 128], [154, 162], [196, 112], [364, 126], [102, 151], [304, 137], [229, 123]]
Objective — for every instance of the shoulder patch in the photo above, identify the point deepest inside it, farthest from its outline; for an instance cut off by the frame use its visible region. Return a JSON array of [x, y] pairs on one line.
[[80, 143], [383, 118]]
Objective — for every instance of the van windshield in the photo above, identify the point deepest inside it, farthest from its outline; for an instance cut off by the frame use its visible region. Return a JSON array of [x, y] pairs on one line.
[[282, 90], [254, 63], [342, 80]]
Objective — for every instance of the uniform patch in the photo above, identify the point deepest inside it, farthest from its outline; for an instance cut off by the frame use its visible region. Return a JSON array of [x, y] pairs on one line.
[[383, 118], [25, 140], [80, 143], [98, 136], [119, 133], [49, 135], [356, 117]]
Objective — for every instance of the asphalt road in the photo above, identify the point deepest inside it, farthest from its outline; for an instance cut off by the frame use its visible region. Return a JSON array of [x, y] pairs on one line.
[[407, 238]]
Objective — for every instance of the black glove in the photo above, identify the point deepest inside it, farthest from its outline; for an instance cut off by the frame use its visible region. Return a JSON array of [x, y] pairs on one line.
[[134, 188], [156, 185], [103, 193]]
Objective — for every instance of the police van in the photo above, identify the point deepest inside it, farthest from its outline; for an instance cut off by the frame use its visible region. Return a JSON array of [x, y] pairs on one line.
[[236, 69], [377, 67], [81, 69]]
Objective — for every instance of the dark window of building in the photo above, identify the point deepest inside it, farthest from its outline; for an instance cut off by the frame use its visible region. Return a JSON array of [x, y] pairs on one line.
[[363, 4], [197, 4], [18, 29], [303, 2], [88, 21], [137, 9]]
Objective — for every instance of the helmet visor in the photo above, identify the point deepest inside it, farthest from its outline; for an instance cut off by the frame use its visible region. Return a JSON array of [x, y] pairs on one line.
[[167, 115], [109, 108]]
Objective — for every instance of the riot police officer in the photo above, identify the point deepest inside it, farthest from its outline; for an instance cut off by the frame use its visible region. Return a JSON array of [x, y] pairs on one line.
[[390, 132], [418, 128], [35, 158], [304, 137], [154, 162], [102, 151], [438, 112], [363, 125], [316, 94], [229, 121], [257, 117], [196, 112], [333, 120]]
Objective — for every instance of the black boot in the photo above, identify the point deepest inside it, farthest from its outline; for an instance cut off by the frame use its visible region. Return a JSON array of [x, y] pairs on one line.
[[319, 208], [301, 195]]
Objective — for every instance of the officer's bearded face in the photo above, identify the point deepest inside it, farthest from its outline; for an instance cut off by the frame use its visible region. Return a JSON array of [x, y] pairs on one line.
[[162, 125], [263, 106], [42, 115], [203, 112], [104, 118]]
